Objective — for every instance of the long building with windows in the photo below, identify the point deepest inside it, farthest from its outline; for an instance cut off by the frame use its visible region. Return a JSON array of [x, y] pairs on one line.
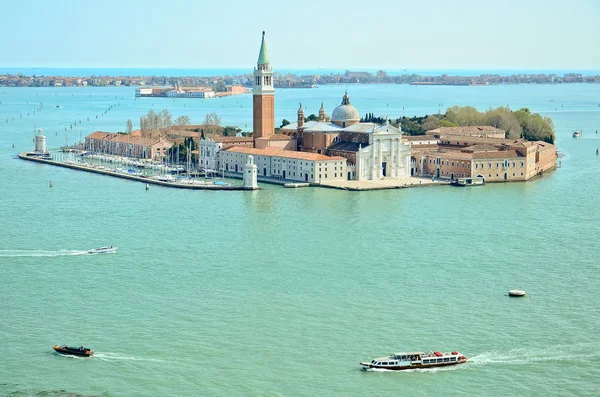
[[286, 164], [494, 159], [129, 145]]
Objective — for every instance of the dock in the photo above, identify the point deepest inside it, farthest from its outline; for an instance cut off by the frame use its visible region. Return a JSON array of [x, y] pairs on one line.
[[136, 178]]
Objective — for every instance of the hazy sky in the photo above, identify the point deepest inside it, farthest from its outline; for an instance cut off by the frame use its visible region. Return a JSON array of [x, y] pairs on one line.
[[388, 34]]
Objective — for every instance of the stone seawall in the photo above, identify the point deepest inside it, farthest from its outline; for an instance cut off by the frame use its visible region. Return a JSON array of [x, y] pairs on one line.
[[130, 177]]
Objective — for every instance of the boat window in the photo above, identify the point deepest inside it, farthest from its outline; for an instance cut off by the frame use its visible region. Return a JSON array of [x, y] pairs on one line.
[[425, 361], [452, 358], [378, 363], [373, 362], [403, 358], [447, 359]]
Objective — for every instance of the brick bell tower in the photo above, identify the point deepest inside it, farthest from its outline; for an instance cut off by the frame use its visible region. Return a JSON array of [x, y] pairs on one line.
[[263, 95]]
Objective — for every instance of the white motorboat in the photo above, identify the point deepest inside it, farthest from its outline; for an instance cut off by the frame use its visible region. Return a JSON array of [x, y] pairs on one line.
[[103, 250], [516, 292], [576, 134]]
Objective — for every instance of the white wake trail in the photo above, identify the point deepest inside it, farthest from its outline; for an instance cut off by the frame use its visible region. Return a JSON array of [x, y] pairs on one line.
[[39, 253]]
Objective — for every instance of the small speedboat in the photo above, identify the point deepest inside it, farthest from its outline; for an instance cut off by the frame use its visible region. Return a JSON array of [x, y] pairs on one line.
[[73, 351], [516, 293], [576, 134], [103, 250], [414, 360]]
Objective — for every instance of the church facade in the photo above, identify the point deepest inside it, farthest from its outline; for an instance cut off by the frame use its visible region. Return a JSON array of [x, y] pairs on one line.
[[373, 151]]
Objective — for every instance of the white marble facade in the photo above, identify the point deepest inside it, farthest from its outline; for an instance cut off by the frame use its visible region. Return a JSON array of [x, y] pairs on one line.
[[386, 156]]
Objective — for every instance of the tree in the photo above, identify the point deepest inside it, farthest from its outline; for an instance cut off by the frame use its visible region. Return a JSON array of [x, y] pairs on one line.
[[431, 122], [284, 123], [212, 123], [312, 117], [182, 120], [504, 119], [129, 125]]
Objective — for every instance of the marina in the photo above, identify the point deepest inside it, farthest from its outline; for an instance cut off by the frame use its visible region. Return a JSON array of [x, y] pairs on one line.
[[161, 180]]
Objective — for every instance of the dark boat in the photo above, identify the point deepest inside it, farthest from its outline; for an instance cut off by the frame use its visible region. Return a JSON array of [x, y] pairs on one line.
[[75, 351]]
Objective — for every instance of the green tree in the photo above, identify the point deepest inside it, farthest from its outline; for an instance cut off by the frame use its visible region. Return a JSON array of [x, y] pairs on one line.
[[284, 123]]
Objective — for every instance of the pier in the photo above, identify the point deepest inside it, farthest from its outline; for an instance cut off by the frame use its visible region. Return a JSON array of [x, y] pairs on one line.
[[138, 178]]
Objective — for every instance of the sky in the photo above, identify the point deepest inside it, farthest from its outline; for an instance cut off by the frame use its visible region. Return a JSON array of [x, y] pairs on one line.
[[351, 34]]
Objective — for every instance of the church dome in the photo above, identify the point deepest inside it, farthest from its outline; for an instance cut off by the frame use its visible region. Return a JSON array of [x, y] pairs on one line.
[[345, 112]]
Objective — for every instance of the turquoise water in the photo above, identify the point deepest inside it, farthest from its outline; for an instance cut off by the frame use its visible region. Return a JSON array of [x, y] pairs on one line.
[[281, 292]]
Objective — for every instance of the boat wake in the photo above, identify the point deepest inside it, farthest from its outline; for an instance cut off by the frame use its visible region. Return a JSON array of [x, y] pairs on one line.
[[108, 356], [532, 356], [39, 253]]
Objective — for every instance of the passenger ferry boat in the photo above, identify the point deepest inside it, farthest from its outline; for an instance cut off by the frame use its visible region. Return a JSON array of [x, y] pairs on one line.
[[415, 360]]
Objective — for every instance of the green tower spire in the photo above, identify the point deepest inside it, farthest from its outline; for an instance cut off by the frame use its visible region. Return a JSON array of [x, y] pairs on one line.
[[263, 55]]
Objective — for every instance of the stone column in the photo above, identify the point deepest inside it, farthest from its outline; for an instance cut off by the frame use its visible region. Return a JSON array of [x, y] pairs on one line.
[[394, 163], [374, 163], [379, 166]]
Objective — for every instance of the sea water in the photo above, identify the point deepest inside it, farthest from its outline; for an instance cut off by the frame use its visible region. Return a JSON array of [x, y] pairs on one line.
[[284, 291]]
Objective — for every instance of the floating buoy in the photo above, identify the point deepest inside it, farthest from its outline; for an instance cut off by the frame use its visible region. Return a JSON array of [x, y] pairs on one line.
[[50, 183], [147, 187]]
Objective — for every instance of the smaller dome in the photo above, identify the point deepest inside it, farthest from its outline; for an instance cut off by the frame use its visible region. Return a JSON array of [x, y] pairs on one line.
[[345, 112]]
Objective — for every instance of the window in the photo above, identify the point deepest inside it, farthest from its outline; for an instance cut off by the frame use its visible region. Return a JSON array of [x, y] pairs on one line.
[[319, 176], [335, 175], [489, 165], [452, 358], [468, 165], [463, 165], [453, 163], [440, 360], [446, 359], [476, 165], [325, 176]]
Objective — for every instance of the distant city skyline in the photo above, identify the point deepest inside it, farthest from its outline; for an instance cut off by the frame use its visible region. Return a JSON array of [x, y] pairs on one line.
[[436, 35]]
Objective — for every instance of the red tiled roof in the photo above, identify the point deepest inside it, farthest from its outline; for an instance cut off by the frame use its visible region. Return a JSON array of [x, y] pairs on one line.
[[467, 130], [125, 138]]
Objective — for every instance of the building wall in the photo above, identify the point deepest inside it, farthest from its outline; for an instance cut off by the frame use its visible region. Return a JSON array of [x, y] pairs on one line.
[[208, 154], [262, 143], [492, 169], [317, 142], [385, 149], [263, 115], [119, 148], [313, 171]]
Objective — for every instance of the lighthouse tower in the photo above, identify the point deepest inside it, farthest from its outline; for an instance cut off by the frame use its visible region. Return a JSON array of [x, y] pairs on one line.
[[40, 142], [250, 174], [263, 95]]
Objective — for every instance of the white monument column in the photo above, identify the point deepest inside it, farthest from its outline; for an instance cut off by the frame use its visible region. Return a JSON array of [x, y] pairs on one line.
[[250, 174], [380, 161], [394, 160]]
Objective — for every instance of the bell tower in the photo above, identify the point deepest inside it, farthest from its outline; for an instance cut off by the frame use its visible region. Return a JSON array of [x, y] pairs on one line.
[[263, 100]]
